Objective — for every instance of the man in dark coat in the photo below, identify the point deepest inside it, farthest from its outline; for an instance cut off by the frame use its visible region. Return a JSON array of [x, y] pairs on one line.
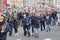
[[32, 22], [42, 21], [26, 25], [20, 18]]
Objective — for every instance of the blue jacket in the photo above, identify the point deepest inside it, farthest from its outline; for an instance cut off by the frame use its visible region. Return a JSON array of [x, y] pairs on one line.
[[48, 21], [42, 18]]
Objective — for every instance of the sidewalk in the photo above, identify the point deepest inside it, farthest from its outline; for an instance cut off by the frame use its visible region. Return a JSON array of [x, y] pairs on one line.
[[54, 34]]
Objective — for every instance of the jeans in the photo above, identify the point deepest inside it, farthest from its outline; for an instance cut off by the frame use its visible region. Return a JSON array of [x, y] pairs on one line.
[[42, 25], [47, 27], [26, 30], [16, 30], [36, 31], [20, 22], [10, 28], [32, 29], [53, 22]]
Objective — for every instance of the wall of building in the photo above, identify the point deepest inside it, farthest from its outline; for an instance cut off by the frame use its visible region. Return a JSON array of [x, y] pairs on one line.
[[18, 3], [30, 2], [0, 3]]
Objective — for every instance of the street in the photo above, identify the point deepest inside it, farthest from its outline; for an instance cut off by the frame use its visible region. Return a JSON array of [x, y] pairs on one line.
[[38, 13], [54, 34]]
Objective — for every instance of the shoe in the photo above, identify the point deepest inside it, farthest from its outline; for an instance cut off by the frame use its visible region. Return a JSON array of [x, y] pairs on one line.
[[16, 34], [28, 35], [36, 36], [41, 30], [10, 34], [32, 34], [46, 30], [49, 29], [24, 35]]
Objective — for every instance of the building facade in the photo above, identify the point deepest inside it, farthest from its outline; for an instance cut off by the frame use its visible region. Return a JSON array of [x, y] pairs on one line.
[[33, 3], [0, 3], [18, 3], [37, 3]]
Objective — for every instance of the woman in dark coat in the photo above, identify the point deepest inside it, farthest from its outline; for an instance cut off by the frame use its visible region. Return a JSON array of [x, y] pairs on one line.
[[15, 23], [3, 28]]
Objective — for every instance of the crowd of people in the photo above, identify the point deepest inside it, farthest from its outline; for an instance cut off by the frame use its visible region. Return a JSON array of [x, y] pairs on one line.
[[38, 21]]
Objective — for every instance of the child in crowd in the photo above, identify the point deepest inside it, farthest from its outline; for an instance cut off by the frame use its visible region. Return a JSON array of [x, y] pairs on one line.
[[47, 24]]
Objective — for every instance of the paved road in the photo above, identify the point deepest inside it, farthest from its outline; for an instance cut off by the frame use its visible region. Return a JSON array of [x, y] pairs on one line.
[[54, 34]]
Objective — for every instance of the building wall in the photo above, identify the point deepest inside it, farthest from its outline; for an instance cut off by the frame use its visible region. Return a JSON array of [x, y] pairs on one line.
[[18, 3], [58, 3], [0, 3], [30, 2]]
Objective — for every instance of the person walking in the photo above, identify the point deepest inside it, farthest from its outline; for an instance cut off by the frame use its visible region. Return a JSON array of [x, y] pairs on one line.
[[42, 21], [33, 24], [20, 16], [3, 28], [15, 25], [54, 17], [36, 27], [26, 26], [48, 24], [10, 25]]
